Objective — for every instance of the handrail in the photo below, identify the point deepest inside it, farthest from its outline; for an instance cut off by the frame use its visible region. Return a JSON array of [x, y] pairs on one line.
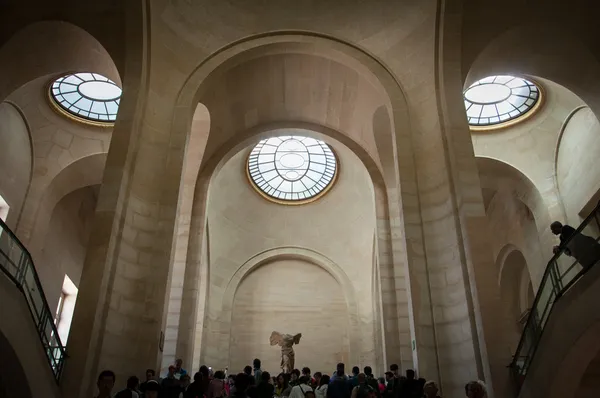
[[16, 262], [557, 279]]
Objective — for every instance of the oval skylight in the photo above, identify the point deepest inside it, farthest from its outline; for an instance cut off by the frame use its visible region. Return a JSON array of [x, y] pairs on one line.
[[292, 169], [496, 100], [87, 96]]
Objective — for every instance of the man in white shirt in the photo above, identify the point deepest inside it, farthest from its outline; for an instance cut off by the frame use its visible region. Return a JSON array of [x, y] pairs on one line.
[[303, 389]]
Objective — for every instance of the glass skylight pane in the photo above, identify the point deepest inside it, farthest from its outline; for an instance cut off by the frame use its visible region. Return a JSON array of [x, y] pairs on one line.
[[285, 168], [98, 107], [87, 95], [488, 111], [493, 100]]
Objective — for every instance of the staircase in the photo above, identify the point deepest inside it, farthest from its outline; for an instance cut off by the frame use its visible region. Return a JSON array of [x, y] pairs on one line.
[[562, 273], [16, 263]]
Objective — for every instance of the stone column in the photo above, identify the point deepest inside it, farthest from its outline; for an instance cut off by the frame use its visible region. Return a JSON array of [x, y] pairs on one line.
[[121, 303]]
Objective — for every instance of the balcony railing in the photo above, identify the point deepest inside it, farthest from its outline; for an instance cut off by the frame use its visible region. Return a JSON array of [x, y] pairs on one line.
[[575, 257], [16, 263]]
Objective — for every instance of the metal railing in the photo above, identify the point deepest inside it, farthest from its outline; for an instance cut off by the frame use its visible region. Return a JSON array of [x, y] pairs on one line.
[[17, 265], [573, 259]]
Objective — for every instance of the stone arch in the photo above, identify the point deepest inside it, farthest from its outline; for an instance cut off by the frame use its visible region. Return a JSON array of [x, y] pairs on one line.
[[500, 176], [366, 65], [512, 275], [577, 179], [51, 48], [198, 220], [304, 254], [81, 173], [19, 180]]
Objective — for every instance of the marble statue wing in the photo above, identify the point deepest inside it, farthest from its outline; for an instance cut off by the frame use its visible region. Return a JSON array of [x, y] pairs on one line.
[[297, 338], [276, 338]]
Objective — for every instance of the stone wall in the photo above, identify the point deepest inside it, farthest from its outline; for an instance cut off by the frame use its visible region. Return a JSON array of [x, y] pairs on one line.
[[15, 160]]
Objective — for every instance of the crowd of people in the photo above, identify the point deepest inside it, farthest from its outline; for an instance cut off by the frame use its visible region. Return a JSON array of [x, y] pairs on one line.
[[253, 382]]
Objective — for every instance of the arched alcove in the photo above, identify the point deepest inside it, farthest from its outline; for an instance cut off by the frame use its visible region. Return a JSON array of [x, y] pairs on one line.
[[289, 296], [242, 223], [513, 275], [65, 244]]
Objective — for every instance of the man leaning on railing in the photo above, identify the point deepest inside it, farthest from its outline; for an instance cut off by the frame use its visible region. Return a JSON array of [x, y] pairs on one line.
[[584, 248]]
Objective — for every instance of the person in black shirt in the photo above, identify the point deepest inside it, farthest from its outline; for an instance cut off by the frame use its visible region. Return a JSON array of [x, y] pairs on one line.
[[264, 389], [150, 374], [170, 386], [585, 249]]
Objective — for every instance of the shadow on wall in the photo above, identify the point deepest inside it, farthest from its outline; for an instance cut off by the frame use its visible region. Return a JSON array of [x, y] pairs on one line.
[[13, 382]]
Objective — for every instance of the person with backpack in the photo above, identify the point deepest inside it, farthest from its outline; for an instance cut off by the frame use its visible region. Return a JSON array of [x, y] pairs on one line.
[[339, 386], [302, 389], [363, 390], [372, 381]]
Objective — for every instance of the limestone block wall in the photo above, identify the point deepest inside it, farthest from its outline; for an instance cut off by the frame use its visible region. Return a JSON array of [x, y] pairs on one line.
[[338, 227], [16, 160], [289, 296]]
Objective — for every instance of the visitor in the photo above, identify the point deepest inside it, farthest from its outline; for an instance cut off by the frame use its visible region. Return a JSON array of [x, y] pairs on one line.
[[152, 389], [242, 383], [105, 383], [282, 387], [306, 372], [264, 388], [184, 384], [170, 385], [179, 370], [321, 390], [195, 389], [354, 377], [294, 377], [430, 390], [257, 371], [584, 248], [421, 384], [409, 387], [302, 388], [476, 389], [339, 386], [205, 372], [248, 370], [391, 385], [216, 387], [371, 380], [396, 384], [362, 389], [150, 374], [316, 380], [230, 386], [381, 381], [395, 369], [131, 390]]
